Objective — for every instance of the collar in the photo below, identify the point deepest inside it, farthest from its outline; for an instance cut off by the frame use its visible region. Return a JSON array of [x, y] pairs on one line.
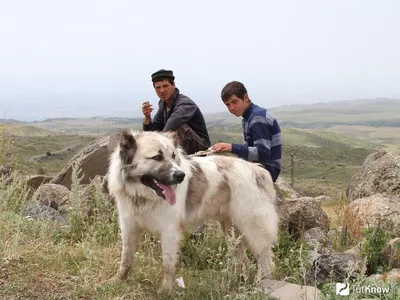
[[175, 97], [248, 111]]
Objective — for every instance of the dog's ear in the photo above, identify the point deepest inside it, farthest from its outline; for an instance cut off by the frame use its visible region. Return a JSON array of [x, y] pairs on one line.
[[174, 136], [127, 147]]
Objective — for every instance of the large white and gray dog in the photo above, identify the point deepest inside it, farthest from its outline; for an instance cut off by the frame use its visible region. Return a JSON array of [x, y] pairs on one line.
[[161, 190]]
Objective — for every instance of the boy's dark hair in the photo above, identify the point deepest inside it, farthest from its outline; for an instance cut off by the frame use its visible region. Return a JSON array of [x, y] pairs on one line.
[[233, 88]]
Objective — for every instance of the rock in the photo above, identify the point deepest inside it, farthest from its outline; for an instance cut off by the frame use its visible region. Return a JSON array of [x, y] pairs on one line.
[[306, 198], [391, 253], [285, 189], [392, 276], [323, 199], [355, 250], [288, 291], [336, 266], [380, 173], [94, 160], [304, 214], [373, 211], [39, 211], [317, 239], [34, 181], [317, 242], [96, 188], [282, 209], [53, 195], [334, 233]]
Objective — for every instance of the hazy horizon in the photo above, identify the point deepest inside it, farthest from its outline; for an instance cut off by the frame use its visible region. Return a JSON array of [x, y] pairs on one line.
[[82, 59]]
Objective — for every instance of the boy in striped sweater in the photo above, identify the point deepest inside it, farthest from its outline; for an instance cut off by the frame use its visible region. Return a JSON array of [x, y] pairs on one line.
[[262, 134]]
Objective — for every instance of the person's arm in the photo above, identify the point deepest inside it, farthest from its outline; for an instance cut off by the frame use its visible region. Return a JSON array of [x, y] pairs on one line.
[[260, 128], [181, 114], [156, 124]]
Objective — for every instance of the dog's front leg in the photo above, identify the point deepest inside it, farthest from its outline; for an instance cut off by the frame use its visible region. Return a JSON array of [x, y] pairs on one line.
[[130, 234], [170, 246]]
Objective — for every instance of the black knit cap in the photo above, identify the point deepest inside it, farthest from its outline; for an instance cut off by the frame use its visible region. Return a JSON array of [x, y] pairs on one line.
[[165, 74]]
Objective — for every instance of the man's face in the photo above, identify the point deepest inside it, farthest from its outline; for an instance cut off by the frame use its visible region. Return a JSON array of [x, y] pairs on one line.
[[164, 89], [237, 106]]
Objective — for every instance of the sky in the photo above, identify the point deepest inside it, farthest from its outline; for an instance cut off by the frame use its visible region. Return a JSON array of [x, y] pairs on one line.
[[95, 57]]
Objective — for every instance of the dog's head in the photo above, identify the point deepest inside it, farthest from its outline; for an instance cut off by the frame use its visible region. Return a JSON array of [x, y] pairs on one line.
[[153, 160]]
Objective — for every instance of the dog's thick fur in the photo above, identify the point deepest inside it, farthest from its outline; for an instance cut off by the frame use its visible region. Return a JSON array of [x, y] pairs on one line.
[[229, 190]]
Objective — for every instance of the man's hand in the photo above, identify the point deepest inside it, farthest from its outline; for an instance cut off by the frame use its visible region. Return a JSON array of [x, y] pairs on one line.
[[222, 147], [147, 108]]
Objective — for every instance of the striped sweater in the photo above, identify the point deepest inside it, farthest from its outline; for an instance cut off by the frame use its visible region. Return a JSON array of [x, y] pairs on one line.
[[262, 138]]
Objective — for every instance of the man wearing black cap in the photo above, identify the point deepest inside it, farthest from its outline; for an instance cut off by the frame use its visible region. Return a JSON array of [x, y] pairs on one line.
[[176, 112]]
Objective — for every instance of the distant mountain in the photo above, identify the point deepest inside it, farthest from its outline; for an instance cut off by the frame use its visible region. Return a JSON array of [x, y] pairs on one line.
[[55, 120], [2, 121], [367, 112], [380, 112]]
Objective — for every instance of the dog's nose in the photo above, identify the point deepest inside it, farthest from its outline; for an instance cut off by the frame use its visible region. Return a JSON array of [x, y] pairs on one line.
[[179, 175]]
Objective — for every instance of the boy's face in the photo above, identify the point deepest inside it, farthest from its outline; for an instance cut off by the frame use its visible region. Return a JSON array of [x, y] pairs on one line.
[[237, 106]]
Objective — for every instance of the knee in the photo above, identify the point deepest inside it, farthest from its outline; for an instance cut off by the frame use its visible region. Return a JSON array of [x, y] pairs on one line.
[[183, 129]]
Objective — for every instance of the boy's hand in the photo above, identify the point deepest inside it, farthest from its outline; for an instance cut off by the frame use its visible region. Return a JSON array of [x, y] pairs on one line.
[[222, 147]]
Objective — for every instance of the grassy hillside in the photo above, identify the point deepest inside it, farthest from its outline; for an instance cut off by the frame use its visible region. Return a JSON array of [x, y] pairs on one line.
[[19, 143], [20, 129], [375, 135], [324, 161], [89, 126]]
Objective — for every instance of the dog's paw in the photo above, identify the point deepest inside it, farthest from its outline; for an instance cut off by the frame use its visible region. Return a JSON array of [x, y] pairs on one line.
[[117, 278], [121, 277]]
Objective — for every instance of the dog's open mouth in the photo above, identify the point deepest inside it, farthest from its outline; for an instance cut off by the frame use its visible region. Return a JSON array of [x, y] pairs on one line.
[[162, 190]]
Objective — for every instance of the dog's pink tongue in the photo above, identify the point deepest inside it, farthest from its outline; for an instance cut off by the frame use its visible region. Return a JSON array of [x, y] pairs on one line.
[[169, 193]]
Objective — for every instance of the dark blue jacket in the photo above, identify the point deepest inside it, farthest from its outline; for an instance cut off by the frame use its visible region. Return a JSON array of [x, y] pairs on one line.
[[183, 111]]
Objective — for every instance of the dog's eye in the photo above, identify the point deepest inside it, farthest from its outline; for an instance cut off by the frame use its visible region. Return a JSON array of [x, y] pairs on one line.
[[173, 155], [158, 157]]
